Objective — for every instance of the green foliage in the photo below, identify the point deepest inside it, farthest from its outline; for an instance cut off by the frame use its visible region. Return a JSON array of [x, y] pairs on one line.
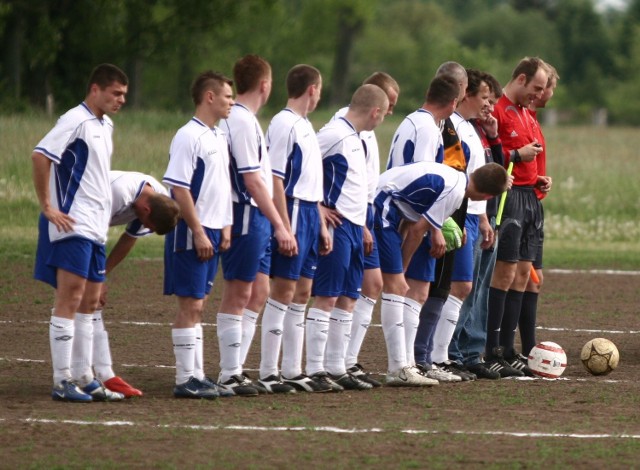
[[50, 47]]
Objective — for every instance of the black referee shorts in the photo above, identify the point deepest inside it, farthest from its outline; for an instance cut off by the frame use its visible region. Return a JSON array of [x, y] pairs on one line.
[[519, 236]]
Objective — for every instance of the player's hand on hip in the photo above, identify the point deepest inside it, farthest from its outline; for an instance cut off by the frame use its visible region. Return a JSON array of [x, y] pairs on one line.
[[62, 221], [331, 216]]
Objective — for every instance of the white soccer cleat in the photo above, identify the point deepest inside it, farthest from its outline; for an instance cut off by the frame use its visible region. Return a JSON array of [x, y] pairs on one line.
[[441, 375], [409, 376]]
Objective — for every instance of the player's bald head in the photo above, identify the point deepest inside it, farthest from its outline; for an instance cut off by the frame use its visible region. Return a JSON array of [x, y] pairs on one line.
[[367, 97]]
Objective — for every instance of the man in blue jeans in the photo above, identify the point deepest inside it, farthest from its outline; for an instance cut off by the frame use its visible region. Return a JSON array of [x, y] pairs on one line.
[[469, 337]]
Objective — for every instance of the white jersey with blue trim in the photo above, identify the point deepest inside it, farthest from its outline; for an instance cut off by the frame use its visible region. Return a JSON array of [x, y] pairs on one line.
[[417, 139], [80, 146], [247, 151], [469, 137], [345, 171], [199, 162], [126, 187], [295, 155], [372, 153], [423, 189]]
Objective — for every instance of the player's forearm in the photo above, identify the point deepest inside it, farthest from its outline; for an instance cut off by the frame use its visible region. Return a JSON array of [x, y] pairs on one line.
[[261, 196], [41, 168], [187, 209], [280, 201], [120, 251]]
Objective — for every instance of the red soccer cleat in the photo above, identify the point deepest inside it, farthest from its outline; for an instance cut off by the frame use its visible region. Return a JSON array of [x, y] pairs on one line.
[[117, 384]]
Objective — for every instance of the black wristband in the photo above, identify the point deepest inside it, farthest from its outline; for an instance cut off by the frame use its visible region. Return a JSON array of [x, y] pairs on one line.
[[516, 157]]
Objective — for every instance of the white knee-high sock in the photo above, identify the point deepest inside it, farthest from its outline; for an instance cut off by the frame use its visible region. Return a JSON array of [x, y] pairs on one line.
[[337, 340], [362, 313], [317, 331], [61, 331], [249, 320], [391, 313], [229, 339], [198, 364], [184, 349], [271, 337], [293, 340], [411, 316], [445, 328], [82, 351], [102, 363]]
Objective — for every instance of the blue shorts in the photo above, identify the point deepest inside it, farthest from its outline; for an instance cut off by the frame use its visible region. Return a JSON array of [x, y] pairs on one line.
[[422, 266], [184, 274], [305, 225], [341, 271], [77, 255], [372, 260], [463, 261], [250, 239]]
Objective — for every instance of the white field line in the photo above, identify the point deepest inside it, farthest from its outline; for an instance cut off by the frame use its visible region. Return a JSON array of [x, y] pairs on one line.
[[330, 429], [375, 325]]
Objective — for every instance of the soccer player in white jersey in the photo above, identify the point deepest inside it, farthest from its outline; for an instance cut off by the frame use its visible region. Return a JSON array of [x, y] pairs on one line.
[[246, 265], [476, 224], [143, 204], [411, 200], [297, 183], [372, 279], [338, 279], [418, 139], [198, 174], [71, 177]]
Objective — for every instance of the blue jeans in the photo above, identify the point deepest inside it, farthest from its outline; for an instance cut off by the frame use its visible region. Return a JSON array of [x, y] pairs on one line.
[[469, 337]]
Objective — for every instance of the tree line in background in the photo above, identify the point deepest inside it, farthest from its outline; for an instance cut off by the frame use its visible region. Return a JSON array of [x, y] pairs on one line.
[[50, 46]]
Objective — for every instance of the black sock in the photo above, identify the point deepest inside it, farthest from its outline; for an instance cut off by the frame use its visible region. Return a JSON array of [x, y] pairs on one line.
[[494, 318], [527, 323], [512, 305]]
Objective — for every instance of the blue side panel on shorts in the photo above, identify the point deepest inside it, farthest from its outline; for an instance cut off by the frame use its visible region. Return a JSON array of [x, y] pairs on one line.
[[69, 173]]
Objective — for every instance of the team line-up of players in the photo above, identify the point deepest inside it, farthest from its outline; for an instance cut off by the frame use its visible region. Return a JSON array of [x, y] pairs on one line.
[[293, 215]]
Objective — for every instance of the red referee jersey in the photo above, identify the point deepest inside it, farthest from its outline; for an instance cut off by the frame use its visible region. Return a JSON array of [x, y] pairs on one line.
[[516, 129]]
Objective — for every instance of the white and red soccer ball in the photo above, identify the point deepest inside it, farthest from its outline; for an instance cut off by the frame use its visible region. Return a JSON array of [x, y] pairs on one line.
[[547, 359]]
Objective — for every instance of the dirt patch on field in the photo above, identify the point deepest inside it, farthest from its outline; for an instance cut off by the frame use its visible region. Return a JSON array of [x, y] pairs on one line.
[[470, 424]]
